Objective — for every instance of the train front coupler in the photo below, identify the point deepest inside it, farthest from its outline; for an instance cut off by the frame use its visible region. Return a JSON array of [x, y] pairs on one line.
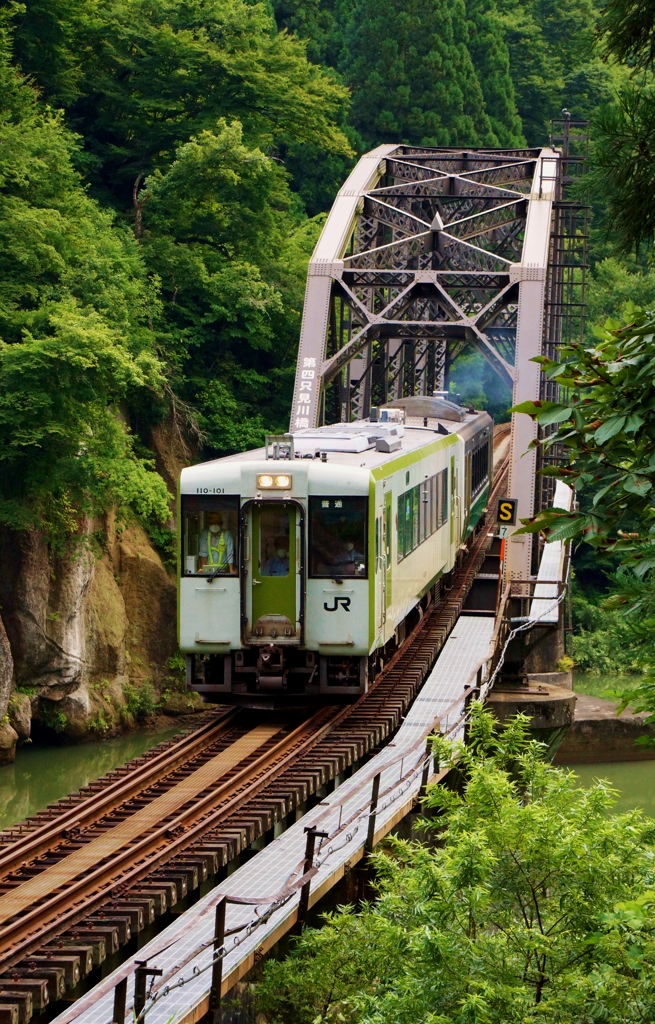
[[272, 672]]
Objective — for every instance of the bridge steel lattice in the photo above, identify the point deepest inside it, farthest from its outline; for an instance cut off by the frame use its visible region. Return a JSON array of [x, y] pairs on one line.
[[425, 253]]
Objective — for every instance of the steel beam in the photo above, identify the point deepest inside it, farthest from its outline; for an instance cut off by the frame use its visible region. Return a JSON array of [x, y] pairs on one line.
[[532, 275], [321, 273], [415, 261]]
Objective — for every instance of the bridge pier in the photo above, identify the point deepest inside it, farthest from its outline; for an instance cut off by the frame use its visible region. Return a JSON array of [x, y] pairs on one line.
[[531, 681]]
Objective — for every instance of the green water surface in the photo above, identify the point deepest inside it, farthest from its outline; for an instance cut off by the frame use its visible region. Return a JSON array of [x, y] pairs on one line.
[[43, 774], [602, 685], [635, 781]]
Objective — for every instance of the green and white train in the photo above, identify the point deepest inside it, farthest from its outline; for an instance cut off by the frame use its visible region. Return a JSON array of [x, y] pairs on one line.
[[302, 565]]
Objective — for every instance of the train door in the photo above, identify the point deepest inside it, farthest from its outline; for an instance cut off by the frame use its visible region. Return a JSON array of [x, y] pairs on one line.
[[386, 545], [455, 506], [273, 576], [380, 571]]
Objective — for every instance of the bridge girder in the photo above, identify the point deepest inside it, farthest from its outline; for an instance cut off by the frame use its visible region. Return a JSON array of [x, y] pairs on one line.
[[425, 252]]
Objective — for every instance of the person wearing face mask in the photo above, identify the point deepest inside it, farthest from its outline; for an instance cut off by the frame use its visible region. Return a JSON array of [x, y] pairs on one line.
[[347, 560], [278, 563], [216, 547]]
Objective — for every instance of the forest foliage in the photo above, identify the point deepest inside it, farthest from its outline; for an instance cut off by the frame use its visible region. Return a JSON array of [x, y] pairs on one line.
[[152, 251]]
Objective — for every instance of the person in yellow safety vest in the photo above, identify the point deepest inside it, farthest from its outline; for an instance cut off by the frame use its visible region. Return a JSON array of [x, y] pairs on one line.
[[216, 547]]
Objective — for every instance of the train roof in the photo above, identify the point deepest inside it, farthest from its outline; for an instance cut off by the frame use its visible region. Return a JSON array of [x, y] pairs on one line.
[[369, 444]]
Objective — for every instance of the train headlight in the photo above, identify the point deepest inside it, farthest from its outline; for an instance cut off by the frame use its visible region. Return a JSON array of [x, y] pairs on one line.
[[282, 481]]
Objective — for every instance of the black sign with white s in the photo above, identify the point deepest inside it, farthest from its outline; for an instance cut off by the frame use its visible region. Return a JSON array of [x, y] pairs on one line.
[[339, 602]]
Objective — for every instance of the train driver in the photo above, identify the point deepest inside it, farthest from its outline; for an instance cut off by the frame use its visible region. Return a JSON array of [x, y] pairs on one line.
[[347, 560], [216, 547]]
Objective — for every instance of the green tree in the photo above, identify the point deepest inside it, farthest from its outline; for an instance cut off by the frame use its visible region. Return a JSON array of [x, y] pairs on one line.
[[613, 284], [534, 67], [477, 382], [220, 231], [412, 76], [46, 44], [569, 28], [628, 27], [152, 76], [537, 904], [622, 155], [490, 55], [622, 168], [186, 113], [320, 22], [554, 62], [75, 338], [605, 425], [607, 428]]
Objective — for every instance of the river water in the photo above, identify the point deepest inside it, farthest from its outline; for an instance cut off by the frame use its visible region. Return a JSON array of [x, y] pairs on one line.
[[43, 774], [635, 780]]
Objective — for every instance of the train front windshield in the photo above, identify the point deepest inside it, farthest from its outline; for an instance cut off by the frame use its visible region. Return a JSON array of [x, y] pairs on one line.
[[209, 534], [337, 537]]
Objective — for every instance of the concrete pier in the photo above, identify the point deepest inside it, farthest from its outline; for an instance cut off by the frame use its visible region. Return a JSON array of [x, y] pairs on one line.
[[598, 734]]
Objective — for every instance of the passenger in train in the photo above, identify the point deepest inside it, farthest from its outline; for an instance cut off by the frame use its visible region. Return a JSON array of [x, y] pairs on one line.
[[216, 546], [278, 563]]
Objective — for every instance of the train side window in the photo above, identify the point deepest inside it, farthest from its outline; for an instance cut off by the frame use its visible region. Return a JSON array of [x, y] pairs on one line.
[[479, 468], [405, 517], [416, 516], [409, 521], [404, 514], [425, 510], [338, 537], [209, 534], [421, 511], [434, 503]]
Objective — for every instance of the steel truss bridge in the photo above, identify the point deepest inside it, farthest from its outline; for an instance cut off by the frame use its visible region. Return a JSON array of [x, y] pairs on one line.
[[428, 252]]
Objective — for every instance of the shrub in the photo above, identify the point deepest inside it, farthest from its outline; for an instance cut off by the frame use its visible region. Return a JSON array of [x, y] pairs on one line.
[[141, 700]]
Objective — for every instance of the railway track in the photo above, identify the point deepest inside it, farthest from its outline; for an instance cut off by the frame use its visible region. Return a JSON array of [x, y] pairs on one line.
[[85, 876]]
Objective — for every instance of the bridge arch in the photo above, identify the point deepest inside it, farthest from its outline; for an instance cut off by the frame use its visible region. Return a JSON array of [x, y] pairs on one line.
[[425, 252]]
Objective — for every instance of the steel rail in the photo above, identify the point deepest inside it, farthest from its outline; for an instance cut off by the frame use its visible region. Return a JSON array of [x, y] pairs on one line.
[[95, 887], [46, 837]]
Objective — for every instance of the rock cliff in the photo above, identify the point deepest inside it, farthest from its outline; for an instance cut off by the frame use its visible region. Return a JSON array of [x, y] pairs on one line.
[[88, 634]]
